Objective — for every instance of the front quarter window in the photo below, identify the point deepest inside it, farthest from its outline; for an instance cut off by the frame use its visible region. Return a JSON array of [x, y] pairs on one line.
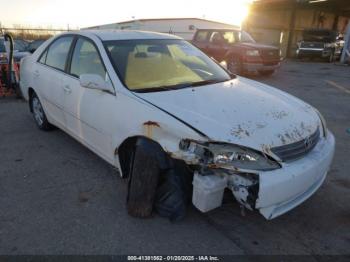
[[158, 65]]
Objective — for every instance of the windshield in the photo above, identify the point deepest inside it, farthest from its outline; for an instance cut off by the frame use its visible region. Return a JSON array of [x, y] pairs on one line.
[[158, 65], [246, 38], [326, 36]]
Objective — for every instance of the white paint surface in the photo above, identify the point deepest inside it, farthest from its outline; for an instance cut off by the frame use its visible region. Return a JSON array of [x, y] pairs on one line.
[[240, 111]]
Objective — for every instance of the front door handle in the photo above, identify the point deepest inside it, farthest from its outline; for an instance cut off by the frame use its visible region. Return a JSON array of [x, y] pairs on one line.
[[67, 89]]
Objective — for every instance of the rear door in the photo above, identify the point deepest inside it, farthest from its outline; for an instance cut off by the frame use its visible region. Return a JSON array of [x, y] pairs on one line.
[[47, 78], [88, 111]]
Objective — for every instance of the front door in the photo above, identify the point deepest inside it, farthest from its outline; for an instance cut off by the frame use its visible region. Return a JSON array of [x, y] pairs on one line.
[[88, 111]]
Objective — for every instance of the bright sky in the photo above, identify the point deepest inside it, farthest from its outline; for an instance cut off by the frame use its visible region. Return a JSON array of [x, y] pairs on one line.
[[83, 13]]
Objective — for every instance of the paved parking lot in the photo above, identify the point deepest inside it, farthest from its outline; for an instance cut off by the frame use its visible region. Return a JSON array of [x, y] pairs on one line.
[[57, 197]]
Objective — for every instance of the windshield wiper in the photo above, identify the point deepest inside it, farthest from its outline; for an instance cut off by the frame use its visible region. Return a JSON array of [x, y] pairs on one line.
[[180, 86], [207, 82], [162, 88]]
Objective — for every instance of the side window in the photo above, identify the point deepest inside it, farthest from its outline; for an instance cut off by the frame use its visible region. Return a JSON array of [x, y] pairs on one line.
[[58, 52], [202, 36], [86, 60], [216, 38], [229, 37], [42, 59]]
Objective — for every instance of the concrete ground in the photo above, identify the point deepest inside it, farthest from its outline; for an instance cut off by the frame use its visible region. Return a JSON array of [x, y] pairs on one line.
[[57, 197]]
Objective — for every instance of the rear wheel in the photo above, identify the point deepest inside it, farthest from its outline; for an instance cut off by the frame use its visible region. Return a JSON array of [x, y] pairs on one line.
[[39, 114]]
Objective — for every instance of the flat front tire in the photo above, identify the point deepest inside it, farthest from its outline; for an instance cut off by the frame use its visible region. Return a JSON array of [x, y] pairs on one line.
[[142, 184]]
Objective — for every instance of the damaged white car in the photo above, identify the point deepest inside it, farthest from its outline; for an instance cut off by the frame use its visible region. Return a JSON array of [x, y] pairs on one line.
[[157, 108]]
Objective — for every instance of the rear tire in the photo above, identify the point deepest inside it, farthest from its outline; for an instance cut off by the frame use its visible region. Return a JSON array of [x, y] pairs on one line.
[[39, 114]]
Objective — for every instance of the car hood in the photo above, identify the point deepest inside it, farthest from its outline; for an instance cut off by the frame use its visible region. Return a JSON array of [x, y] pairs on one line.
[[240, 111]]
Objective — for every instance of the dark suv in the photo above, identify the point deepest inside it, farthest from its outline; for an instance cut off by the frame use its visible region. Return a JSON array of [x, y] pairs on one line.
[[320, 43], [239, 50]]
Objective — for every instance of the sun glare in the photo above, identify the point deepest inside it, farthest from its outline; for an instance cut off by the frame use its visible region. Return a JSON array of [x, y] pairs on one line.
[[234, 13], [83, 13]]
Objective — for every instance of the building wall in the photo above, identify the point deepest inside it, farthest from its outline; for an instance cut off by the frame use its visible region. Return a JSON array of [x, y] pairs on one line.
[[184, 28], [275, 26]]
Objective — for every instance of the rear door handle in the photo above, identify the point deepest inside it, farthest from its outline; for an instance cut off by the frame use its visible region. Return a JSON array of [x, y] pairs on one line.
[[36, 73], [67, 89]]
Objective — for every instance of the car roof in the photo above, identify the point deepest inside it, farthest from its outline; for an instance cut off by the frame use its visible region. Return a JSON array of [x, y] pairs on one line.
[[109, 35]]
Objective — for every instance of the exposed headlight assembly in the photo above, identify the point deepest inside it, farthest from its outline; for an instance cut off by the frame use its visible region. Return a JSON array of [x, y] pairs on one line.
[[230, 156], [252, 53]]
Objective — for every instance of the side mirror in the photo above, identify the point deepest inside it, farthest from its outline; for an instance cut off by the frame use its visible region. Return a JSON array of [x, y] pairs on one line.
[[93, 81]]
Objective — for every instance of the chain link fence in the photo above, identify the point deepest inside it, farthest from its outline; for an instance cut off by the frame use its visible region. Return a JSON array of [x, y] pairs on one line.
[[31, 34]]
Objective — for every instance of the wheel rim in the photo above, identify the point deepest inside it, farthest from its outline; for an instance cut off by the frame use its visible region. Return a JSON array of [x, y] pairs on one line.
[[38, 111]]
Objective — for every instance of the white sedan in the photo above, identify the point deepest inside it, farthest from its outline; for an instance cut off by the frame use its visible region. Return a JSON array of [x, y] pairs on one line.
[[151, 103]]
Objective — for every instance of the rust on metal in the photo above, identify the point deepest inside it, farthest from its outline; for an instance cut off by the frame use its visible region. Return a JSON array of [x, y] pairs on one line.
[[149, 125]]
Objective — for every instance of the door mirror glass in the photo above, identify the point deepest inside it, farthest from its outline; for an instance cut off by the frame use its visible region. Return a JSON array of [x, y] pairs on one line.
[[93, 81]]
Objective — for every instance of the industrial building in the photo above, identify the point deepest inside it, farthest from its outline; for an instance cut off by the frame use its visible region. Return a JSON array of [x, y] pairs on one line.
[[281, 22], [183, 27]]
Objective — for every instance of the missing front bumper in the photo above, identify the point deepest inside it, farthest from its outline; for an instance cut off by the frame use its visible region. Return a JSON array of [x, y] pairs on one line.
[[272, 193]]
